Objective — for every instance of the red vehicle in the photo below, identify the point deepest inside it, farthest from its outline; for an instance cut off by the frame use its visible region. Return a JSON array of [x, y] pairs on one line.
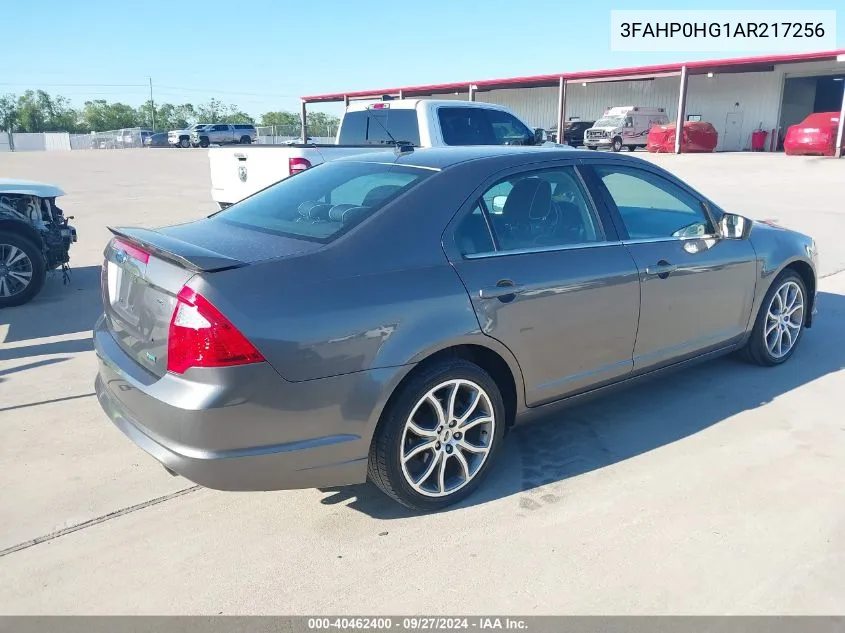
[[814, 136], [698, 136]]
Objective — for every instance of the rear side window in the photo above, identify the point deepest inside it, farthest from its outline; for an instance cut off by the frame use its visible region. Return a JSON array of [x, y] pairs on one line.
[[323, 202], [371, 127], [243, 126], [481, 126]]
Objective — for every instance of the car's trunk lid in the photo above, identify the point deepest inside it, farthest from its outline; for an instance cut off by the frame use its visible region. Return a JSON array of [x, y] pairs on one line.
[[144, 270]]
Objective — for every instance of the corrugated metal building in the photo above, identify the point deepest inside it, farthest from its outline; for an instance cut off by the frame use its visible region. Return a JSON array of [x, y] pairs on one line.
[[736, 95]]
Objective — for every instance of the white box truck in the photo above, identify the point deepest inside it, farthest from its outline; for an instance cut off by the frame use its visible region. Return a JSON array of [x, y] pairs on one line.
[[624, 126]]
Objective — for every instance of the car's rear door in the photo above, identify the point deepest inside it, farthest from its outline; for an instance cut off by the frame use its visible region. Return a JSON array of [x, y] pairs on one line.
[[549, 278], [697, 289]]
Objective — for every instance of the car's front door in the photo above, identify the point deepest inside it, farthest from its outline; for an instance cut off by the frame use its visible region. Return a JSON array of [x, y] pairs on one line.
[[697, 289], [549, 279]]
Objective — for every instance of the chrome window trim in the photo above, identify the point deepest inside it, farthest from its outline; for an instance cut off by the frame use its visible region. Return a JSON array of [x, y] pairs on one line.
[[544, 249], [657, 240]]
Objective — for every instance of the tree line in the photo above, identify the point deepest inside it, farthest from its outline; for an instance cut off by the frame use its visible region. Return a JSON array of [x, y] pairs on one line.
[[39, 111]]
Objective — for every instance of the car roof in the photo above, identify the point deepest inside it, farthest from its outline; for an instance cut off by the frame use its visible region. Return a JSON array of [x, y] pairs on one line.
[[29, 188], [444, 157]]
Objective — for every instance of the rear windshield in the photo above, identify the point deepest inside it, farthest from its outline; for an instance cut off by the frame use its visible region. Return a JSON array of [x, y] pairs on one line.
[[321, 203], [371, 127]]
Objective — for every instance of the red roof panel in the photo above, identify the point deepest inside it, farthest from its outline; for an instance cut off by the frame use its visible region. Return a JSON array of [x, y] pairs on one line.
[[697, 67]]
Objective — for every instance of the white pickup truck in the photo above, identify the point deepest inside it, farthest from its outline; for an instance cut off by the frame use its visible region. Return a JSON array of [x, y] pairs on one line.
[[240, 172]]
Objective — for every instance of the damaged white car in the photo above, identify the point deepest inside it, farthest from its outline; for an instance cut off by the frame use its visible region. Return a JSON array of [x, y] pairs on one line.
[[35, 238]]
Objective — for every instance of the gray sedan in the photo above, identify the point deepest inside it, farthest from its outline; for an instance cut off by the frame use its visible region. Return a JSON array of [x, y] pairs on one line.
[[388, 317]]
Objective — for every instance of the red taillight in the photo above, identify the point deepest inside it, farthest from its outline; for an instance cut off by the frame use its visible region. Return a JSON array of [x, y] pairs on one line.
[[133, 251], [200, 336], [297, 165]]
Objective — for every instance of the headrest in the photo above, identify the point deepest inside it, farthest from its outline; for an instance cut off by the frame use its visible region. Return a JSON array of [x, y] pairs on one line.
[[346, 213]]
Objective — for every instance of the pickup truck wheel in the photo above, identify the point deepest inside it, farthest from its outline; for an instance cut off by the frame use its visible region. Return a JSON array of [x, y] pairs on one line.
[[438, 436], [617, 144], [184, 143], [245, 140], [204, 141], [22, 270]]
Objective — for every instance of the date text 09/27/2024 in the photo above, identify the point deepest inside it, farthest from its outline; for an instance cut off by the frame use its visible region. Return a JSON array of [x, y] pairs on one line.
[[417, 623]]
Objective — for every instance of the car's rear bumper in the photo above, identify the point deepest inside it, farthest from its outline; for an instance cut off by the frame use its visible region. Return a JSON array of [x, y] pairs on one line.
[[251, 431]]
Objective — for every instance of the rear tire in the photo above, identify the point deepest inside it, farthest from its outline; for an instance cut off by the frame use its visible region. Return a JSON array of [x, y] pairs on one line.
[[780, 317], [245, 140], [424, 460], [21, 262], [632, 148]]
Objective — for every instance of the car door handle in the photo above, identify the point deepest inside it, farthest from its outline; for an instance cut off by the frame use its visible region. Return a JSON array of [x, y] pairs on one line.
[[662, 269], [505, 290]]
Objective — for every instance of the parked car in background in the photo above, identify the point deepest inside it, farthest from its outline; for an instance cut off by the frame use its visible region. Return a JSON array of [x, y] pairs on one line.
[[132, 137], [237, 173], [224, 134], [182, 138], [624, 126], [573, 132], [159, 139], [35, 238], [814, 136], [374, 319]]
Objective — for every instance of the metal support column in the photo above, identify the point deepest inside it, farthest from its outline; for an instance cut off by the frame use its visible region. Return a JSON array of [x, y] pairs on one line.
[[682, 107], [345, 101], [304, 122], [472, 92], [401, 95], [561, 109], [838, 150]]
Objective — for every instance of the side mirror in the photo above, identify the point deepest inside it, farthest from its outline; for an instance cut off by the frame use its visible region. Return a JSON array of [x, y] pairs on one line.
[[499, 204], [539, 136], [733, 227]]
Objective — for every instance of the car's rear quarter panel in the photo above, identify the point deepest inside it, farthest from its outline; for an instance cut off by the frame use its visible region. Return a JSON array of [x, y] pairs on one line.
[[385, 293]]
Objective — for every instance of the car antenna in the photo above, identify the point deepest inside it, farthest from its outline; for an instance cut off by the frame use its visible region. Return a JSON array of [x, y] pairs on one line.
[[401, 147]]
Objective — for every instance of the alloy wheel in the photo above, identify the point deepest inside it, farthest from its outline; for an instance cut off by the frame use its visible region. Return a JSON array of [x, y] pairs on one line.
[[15, 270], [784, 319], [447, 438]]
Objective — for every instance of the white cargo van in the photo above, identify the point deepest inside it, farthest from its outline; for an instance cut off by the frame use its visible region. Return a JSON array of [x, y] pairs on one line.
[[624, 126]]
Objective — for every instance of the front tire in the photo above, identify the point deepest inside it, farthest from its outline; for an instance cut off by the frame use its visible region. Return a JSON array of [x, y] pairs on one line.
[[204, 141], [632, 148], [617, 144], [22, 270], [780, 322], [437, 438], [184, 143]]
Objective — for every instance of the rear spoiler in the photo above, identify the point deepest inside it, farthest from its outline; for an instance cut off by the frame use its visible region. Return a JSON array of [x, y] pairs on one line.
[[185, 254]]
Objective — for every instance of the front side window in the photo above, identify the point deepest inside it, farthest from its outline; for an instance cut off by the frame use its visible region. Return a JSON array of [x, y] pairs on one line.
[[653, 207], [535, 209], [325, 201]]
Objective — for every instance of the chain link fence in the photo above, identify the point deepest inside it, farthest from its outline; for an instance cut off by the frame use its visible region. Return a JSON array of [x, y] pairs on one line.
[[279, 134], [119, 139]]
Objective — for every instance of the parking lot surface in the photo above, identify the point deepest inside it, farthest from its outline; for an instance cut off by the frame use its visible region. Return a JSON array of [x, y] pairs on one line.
[[716, 490]]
